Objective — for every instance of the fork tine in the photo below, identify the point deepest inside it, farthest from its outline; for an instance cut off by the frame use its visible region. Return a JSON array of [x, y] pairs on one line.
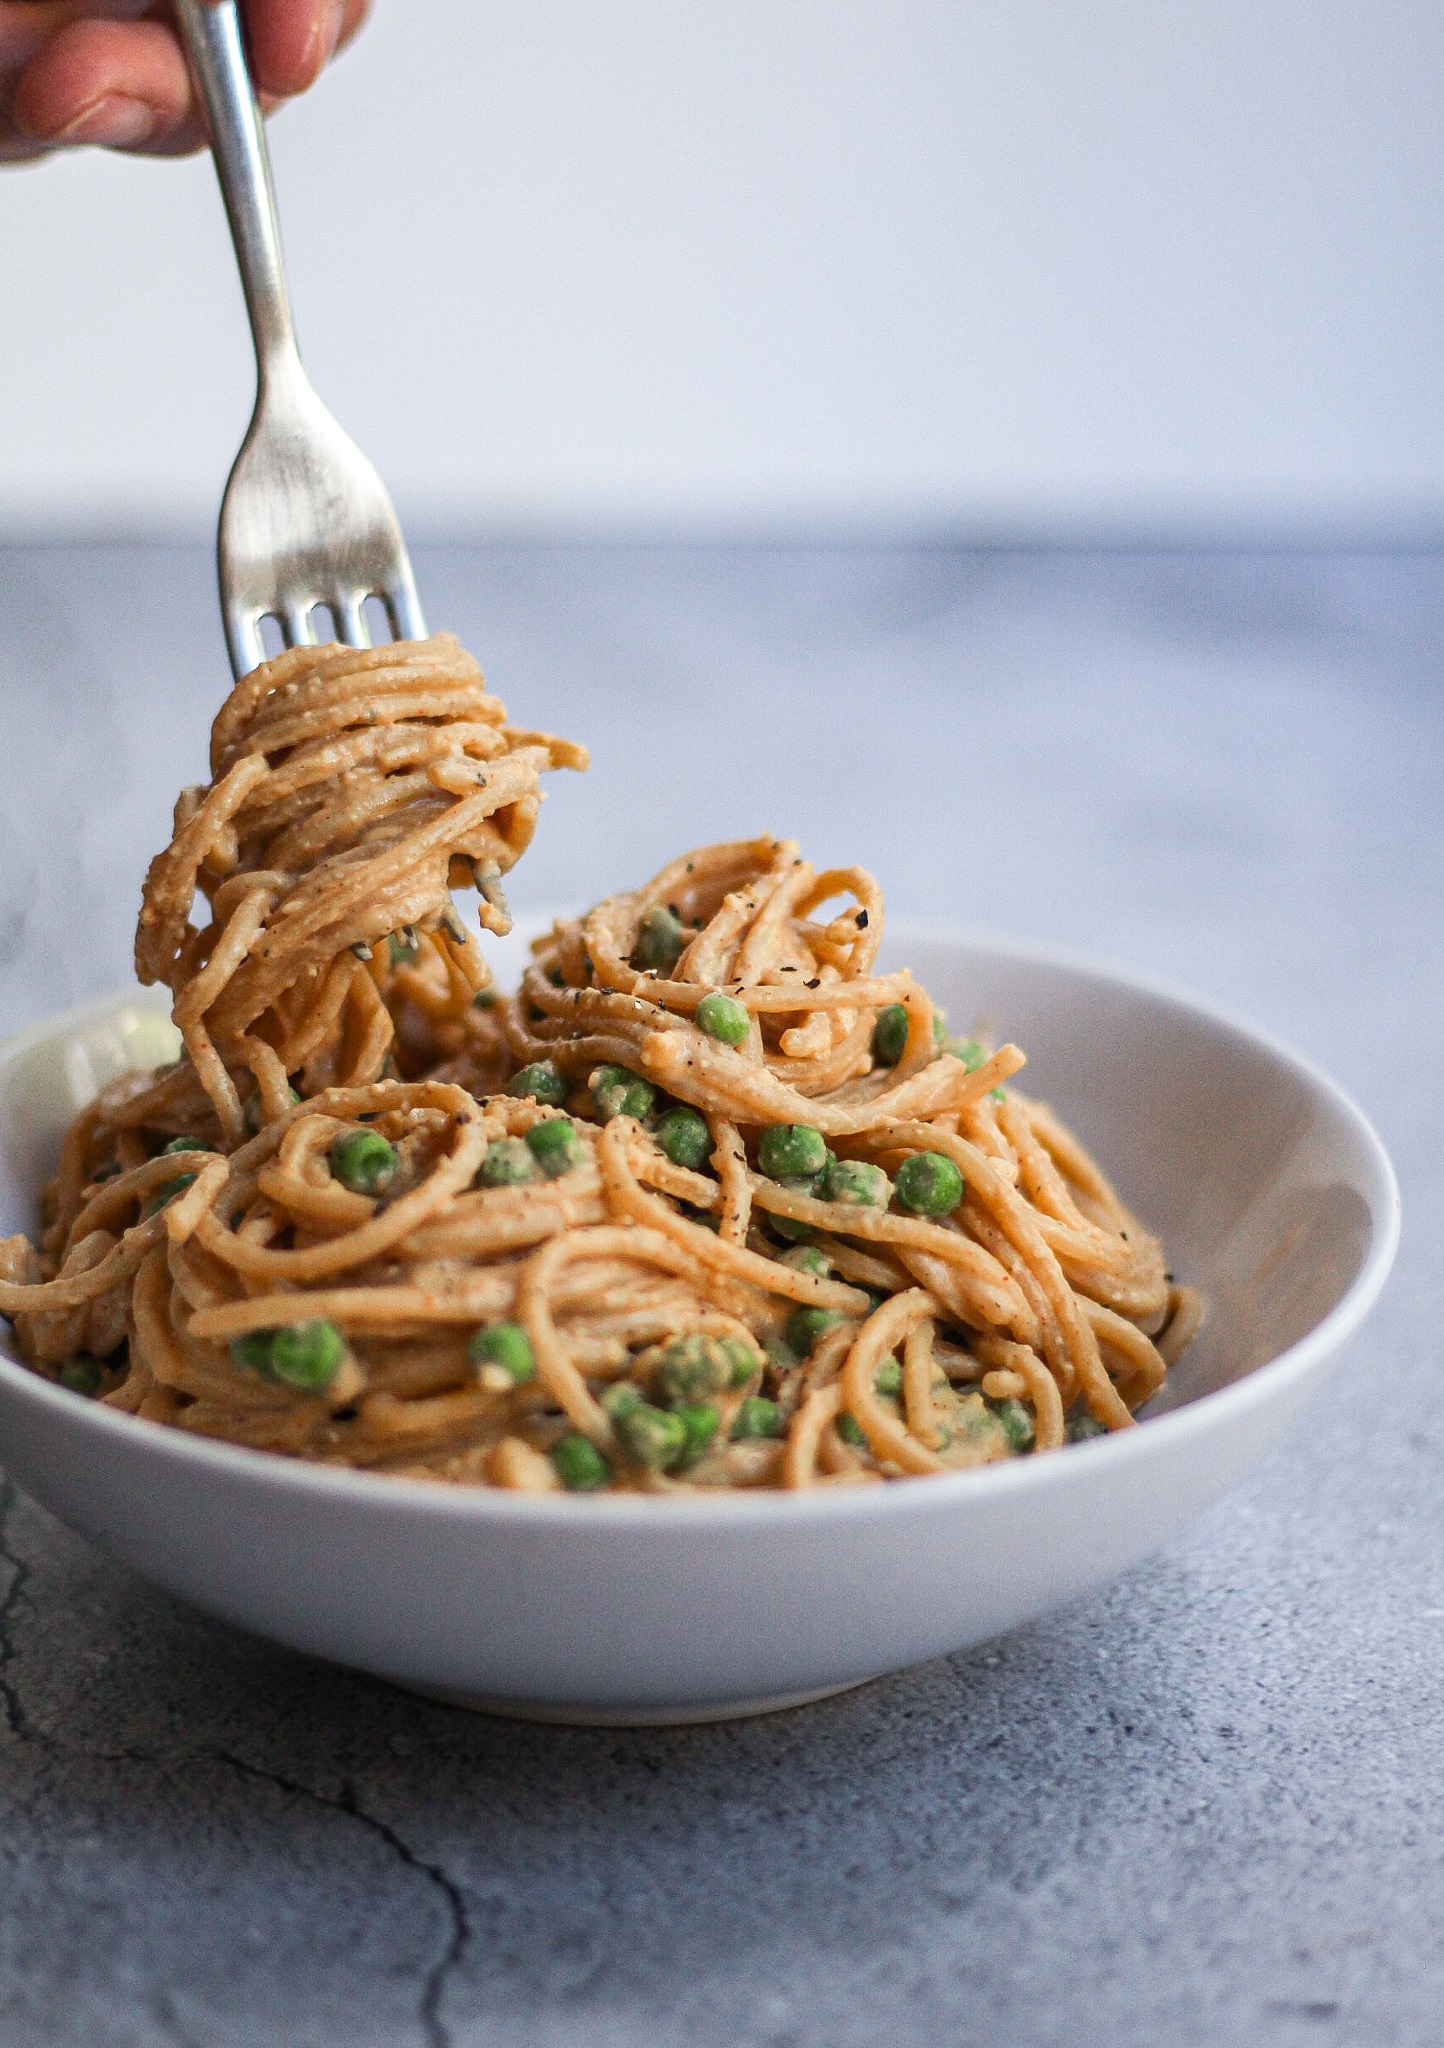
[[405, 606], [350, 625], [296, 622], [243, 641]]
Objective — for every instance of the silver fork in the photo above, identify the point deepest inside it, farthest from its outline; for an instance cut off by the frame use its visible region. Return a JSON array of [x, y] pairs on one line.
[[305, 520]]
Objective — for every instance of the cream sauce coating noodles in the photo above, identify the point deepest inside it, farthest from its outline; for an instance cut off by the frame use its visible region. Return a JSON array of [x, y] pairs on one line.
[[708, 1203]]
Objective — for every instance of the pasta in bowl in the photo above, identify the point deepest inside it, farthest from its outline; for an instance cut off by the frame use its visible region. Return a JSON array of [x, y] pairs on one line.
[[577, 1280], [668, 1262]]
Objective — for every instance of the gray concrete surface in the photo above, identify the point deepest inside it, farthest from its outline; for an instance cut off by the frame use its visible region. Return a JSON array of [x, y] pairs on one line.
[[1206, 1806]]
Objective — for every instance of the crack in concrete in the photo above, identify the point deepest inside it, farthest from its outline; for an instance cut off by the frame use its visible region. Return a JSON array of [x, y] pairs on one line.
[[347, 1804], [434, 1983], [16, 1595]]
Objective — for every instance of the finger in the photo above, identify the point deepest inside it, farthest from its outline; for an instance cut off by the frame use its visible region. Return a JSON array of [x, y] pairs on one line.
[[25, 26], [122, 85], [291, 41]]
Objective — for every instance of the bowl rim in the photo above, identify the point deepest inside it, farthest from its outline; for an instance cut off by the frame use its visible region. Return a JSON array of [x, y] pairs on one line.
[[754, 1508]]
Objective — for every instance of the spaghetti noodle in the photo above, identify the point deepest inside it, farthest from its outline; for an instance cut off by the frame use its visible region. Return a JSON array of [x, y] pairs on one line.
[[709, 1203]]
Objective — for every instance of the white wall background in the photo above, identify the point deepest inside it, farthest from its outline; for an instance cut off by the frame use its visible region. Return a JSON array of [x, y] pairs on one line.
[[673, 264]]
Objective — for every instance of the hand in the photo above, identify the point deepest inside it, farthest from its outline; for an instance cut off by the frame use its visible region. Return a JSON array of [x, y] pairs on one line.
[[112, 73]]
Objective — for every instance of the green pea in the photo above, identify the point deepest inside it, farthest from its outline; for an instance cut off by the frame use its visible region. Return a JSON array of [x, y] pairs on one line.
[[83, 1375], [186, 1145], [579, 1465], [929, 1184], [940, 1026], [502, 1355], [967, 1050], [723, 1019], [699, 1419], [402, 951], [619, 1397], [807, 1326], [857, 1183], [684, 1137], [850, 1430], [742, 1359], [507, 1163], [890, 1035], [541, 1080], [661, 940], [252, 1352], [691, 1367], [806, 1258], [1017, 1422], [364, 1162], [756, 1417], [167, 1192], [791, 1152], [615, 1092], [888, 1377], [306, 1355], [555, 1146], [651, 1436], [1082, 1425], [485, 999], [787, 1227]]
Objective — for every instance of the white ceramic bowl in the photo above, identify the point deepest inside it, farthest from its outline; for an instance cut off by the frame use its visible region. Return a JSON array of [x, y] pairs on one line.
[[1269, 1187]]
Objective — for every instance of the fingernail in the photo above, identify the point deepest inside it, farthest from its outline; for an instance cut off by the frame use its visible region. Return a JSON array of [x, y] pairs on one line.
[[115, 122]]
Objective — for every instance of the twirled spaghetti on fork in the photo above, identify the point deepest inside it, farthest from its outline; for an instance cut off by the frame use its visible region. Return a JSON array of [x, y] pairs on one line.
[[708, 1203]]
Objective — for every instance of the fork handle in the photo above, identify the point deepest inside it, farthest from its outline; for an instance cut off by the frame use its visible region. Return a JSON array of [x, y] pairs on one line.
[[212, 32]]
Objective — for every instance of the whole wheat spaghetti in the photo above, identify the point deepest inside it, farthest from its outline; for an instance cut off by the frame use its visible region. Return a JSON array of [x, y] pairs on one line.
[[709, 1203]]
